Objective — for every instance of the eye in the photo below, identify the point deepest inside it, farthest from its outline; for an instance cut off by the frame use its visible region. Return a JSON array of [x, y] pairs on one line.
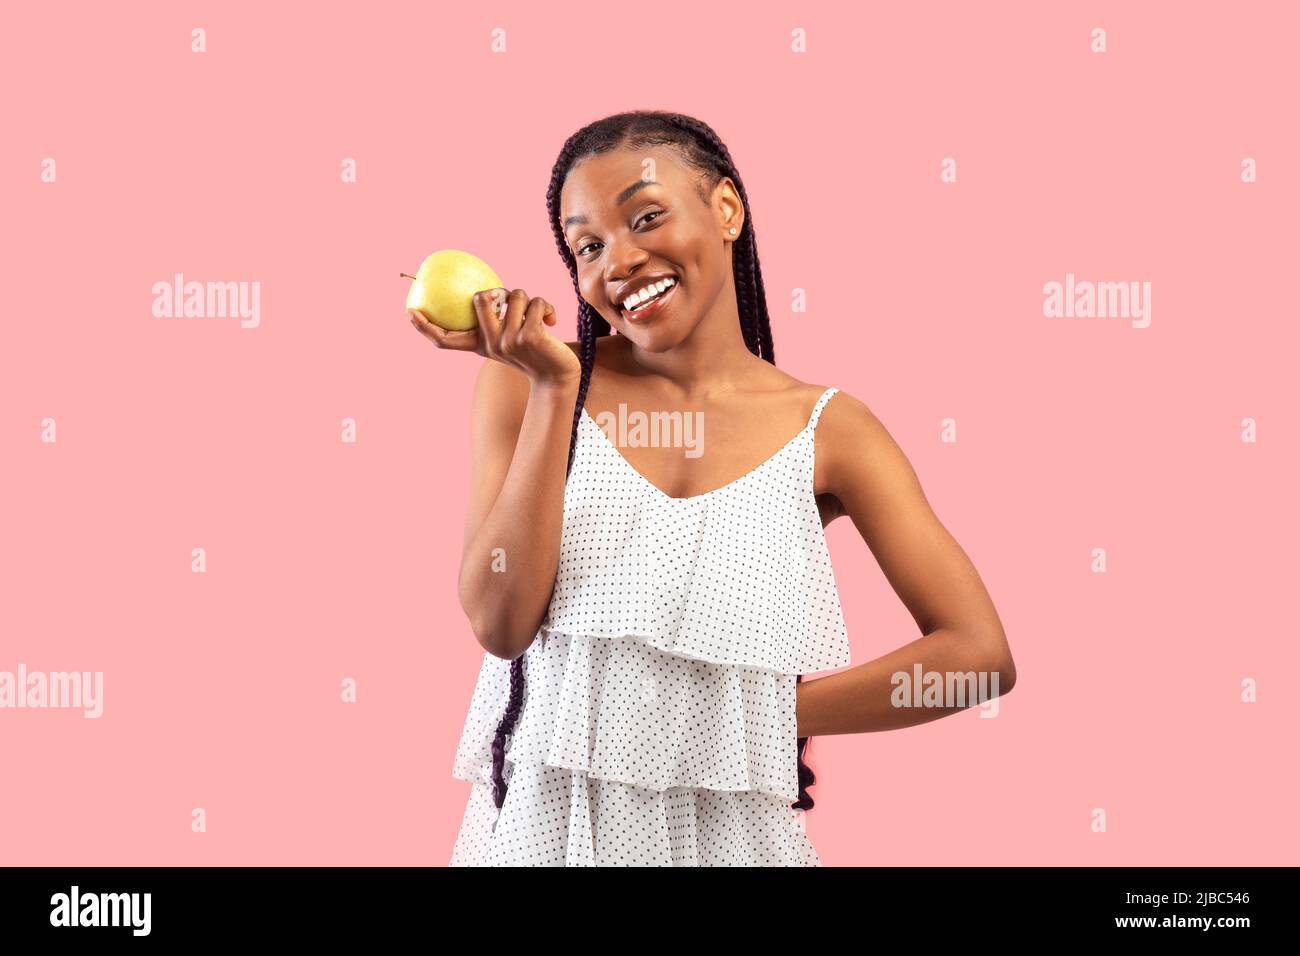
[[645, 217]]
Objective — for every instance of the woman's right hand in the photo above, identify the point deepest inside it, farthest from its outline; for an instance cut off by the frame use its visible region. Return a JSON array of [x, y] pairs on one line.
[[511, 329]]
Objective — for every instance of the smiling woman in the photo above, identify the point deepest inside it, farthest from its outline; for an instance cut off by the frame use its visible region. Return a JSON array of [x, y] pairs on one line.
[[642, 701], [708, 774]]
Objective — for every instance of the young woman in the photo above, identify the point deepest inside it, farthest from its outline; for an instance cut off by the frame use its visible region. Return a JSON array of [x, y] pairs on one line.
[[648, 613]]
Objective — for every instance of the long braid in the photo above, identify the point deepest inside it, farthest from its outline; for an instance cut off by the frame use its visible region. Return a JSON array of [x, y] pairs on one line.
[[700, 148]]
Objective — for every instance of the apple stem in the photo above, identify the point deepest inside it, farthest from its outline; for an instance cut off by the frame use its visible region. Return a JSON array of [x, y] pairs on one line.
[[405, 276]]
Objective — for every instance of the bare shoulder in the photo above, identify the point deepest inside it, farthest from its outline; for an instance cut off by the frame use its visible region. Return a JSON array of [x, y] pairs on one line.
[[857, 457], [775, 389], [846, 418], [803, 396]]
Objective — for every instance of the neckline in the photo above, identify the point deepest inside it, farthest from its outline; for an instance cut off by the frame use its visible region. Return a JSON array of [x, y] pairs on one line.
[[704, 494]]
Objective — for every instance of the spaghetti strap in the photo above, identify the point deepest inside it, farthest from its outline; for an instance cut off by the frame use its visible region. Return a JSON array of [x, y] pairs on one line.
[[821, 403]]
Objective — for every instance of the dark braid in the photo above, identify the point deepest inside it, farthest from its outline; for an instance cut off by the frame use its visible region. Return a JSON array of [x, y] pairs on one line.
[[702, 150]]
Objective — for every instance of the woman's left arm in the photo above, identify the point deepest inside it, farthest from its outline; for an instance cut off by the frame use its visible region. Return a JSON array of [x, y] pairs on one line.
[[860, 464]]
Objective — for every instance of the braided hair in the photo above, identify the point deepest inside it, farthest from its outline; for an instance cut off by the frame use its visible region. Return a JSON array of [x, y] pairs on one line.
[[699, 148]]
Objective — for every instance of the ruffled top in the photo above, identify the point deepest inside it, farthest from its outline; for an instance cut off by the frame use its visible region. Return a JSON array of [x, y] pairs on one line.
[[668, 656]]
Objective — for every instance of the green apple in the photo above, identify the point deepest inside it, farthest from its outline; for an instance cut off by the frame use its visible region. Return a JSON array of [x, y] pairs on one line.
[[443, 288]]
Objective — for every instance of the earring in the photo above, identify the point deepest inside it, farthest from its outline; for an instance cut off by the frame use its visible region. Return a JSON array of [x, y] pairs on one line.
[[733, 230]]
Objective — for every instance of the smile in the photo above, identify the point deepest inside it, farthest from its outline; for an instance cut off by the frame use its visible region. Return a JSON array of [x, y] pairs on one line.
[[655, 298]]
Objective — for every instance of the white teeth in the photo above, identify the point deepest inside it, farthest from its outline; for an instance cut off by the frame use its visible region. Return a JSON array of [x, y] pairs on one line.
[[649, 292]]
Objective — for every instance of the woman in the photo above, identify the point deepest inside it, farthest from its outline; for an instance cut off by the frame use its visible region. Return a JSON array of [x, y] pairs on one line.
[[648, 613]]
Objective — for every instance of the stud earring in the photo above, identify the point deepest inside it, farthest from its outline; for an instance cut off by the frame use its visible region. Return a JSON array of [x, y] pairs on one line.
[[733, 230]]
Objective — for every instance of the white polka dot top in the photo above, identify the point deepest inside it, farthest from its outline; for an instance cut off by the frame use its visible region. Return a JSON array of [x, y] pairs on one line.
[[658, 718]]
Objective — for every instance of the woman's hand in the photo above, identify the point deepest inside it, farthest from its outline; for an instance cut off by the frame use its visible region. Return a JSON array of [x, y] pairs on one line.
[[511, 329]]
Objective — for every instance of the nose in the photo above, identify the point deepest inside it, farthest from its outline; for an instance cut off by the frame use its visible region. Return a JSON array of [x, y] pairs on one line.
[[623, 259]]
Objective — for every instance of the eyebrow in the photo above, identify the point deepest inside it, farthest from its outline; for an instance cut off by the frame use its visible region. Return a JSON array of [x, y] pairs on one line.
[[621, 198]]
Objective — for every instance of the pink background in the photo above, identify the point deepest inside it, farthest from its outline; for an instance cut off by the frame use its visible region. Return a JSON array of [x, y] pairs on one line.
[[329, 560]]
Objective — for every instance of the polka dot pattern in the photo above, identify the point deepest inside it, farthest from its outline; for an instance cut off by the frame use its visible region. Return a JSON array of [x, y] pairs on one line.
[[658, 719], [623, 710], [553, 816]]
